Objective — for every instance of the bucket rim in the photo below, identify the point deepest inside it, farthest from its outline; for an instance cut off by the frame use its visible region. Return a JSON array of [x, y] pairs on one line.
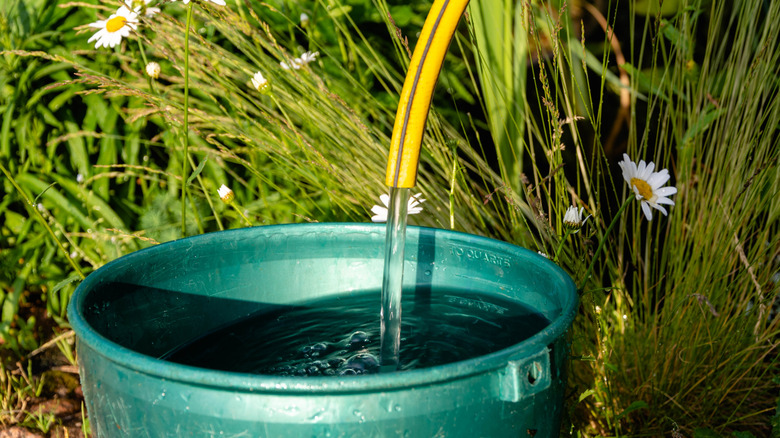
[[247, 382]]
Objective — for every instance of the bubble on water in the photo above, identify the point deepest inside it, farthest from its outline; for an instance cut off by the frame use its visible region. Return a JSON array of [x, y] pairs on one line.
[[336, 362], [319, 349], [358, 340], [363, 363]]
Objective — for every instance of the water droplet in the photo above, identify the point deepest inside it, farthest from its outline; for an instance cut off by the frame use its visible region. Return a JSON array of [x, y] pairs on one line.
[[427, 272], [393, 407]]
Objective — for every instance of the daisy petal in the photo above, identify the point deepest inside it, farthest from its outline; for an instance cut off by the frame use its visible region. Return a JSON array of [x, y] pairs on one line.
[[665, 191], [378, 209], [380, 214], [659, 208], [649, 170], [656, 180], [646, 210]]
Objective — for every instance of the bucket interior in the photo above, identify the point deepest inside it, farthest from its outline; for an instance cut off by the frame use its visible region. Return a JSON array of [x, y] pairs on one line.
[[154, 301]]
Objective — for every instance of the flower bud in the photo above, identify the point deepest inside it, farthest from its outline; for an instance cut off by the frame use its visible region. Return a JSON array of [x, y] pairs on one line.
[[225, 194], [260, 83], [153, 70]]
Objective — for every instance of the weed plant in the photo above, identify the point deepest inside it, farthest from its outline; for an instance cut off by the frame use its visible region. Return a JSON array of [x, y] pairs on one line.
[[675, 335]]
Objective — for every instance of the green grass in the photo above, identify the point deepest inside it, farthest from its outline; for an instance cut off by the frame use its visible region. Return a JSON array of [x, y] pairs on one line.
[[676, 309]]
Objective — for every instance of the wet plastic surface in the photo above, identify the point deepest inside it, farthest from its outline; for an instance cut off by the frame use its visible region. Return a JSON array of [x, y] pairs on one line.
[[134, 310]]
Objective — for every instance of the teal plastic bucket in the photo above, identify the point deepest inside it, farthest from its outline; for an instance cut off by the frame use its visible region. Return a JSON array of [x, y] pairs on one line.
[[133, 310]]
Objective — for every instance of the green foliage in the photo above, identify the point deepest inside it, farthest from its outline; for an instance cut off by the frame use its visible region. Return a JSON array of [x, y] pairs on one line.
[[675, 311]]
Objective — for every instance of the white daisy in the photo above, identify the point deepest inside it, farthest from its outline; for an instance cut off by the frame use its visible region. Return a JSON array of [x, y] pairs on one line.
[[117, 26], [647, 185], [380, 213], [308, 57], [259, 82], [225, 194], [297, 63], [153, 70], [573, 219]]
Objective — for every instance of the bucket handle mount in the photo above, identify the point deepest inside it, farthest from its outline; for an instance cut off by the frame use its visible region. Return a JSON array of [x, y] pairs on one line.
[[525, 377]]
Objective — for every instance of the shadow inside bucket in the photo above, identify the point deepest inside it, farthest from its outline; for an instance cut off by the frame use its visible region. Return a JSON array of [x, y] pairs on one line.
[[155, 321], [335, 336]]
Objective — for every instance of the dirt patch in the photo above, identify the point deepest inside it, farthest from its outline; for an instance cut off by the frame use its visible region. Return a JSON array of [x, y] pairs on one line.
[[42, 396]]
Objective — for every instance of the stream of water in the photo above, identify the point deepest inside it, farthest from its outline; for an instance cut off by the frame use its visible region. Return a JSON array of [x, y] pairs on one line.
[[392, 280]]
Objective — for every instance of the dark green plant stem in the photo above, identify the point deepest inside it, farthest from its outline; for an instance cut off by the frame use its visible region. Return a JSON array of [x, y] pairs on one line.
[[603, 240], [143, 67], [560, 244], [185, 162], [41, 219]]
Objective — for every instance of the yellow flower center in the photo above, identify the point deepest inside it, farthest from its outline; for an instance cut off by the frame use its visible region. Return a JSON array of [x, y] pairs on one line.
[[116, 23], [644, 189]]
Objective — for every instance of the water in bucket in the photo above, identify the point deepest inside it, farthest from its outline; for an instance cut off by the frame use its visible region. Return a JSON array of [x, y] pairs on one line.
[[340, 336]]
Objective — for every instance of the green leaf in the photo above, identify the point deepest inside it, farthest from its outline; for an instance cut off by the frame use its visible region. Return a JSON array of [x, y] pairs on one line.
[[654, 7], [339, 11], [679, 39], [586, 394], [701, 123], [35, 185], [65, 282], [198, 170], [644, 82], [14, 221], [98, 206], [633, 407], [77, 149], [402, 15], [595, 65]]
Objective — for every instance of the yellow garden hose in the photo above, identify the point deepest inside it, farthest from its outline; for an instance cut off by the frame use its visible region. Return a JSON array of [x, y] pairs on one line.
[[417, 91]]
